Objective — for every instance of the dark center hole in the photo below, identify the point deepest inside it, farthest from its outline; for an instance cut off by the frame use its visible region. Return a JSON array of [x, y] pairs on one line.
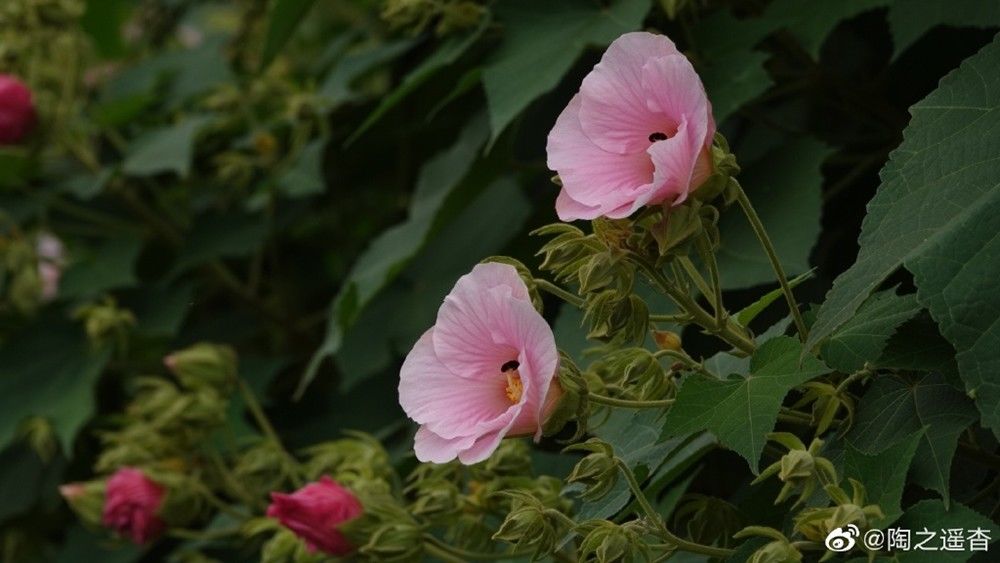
[[511, 365], [658, 136]]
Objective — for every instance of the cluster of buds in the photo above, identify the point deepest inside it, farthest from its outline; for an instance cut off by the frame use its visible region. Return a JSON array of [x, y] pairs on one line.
[[778, 550], [358, 458], [533, 525], [168, 420], [446, 16], [105, 322], [634, 373], [817, 523], [607, 542], [801, 469]]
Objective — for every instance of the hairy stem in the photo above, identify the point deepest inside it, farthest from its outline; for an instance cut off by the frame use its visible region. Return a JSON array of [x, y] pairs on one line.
[[559, 292], [265, 425], [628, 403], [662, 530], [772, 256]]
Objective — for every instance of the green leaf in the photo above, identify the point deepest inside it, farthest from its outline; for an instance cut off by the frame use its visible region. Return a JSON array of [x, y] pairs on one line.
[[25, 478], [919, 346], [784, 187], [741, 411], [750, 312], [110, 265], [82, 544], [811, 21], [169, 149], [541, 42], [862, 339], [304, 177], [103, 22], [892, 410], [412, 303], [221, 235], [283, 19], [741, 79], [49, 370], [392, 250], [932, 514], [883, 474], [910, 19], [935, 212], [445, 55], [337, 87], [160, 309]]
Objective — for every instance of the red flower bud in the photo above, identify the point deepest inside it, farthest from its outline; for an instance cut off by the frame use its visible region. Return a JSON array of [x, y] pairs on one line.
[[131, 504], [314, 512], [17, 111]]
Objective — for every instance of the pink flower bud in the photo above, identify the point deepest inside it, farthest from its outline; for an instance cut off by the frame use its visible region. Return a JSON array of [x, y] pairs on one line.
[[17, 111], [51, 259], [131, 504], [71, 491], [314, 512]]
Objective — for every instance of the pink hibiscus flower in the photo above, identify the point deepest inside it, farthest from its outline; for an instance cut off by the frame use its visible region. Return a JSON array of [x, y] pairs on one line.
[[638, 132], [484, 371]]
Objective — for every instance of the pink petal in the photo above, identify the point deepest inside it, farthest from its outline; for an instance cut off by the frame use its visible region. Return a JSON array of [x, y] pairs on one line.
[[674, 89], [429, 447], [590, 175], [614, 112], [450, 405], [483, 447]]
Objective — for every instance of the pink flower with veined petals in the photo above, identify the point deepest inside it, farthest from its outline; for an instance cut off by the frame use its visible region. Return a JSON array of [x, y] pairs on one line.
[[314, 512], [484, 371], [638, 133], [131, 505]]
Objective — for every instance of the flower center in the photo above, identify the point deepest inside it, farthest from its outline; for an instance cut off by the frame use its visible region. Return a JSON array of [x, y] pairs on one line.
[[514, 386], [658, 136]]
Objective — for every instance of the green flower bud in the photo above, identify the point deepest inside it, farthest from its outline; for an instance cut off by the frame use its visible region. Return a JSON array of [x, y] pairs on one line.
[[606, 542], [776, 552], [105, 320], [285, 547], [263, 468], [512, 457], [530, 525], [360, 457], [435, 499], [394, 542], [86, 499], [796, 466], [597, 472], [203, 366], [667, 340], [677, 227]]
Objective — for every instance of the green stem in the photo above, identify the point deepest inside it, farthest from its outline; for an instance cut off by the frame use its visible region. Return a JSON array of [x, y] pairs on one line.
[[452, 553], [728, 332], [628, 403], [202, 535], [704, 248], [686, 360], [559, 292], [863, 372], [699, 282], [662, 530], [265, 424], [772, 256], [680, 318]]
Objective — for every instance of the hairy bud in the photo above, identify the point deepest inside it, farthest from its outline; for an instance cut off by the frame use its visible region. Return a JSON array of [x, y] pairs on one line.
[[203, 366], [597, 472]]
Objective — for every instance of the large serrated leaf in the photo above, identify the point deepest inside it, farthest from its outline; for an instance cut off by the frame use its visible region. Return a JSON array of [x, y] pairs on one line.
[[883, 475], [935, 212], [892, 410], [741, 411], [862, 339]]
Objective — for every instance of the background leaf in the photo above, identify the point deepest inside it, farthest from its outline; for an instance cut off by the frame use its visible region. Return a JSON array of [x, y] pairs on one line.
[[863, 337], [49, 373], [883, 474], [943, 179], [541, 42], [785, 189], [893, 409], [283, 19]]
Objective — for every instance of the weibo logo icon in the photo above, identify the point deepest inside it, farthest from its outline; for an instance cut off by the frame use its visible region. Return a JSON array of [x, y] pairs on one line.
[[842, 539]]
